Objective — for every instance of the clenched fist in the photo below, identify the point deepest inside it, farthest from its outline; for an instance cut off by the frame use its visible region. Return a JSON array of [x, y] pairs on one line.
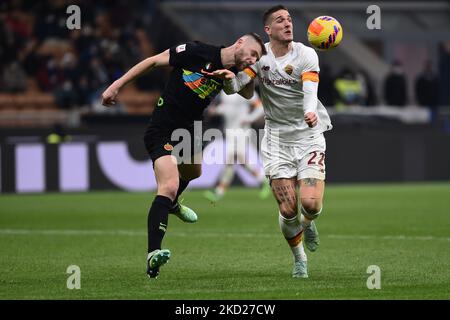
[[311, 119], [110, 94]]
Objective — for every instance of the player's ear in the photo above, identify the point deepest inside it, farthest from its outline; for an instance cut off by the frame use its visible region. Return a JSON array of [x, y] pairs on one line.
[[267, 30]]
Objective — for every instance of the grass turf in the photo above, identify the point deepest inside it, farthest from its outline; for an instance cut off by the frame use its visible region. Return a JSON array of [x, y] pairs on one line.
[[234, 251]]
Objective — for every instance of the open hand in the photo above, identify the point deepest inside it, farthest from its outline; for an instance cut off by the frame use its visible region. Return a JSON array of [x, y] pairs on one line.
[[223, 74]]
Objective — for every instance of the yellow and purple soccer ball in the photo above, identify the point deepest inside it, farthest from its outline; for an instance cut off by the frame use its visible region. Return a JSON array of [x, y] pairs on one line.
[[325, 33]]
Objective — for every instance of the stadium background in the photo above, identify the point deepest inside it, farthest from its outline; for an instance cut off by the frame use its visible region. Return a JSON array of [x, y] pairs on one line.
[[387, 90]]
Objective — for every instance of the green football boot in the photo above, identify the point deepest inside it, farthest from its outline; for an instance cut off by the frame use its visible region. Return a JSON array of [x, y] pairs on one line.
[[185, 214], [156, 259], [300, 269], [311, 237]]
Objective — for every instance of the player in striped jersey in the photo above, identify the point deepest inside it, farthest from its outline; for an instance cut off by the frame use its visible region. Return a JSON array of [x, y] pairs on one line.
[[187, 94]]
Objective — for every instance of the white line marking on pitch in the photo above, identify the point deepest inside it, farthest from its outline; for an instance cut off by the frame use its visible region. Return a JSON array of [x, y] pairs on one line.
[[62, 232]]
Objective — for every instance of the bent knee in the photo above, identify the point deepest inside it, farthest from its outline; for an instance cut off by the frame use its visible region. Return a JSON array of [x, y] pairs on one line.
[[288, 210], [169, 188], [312, 206]]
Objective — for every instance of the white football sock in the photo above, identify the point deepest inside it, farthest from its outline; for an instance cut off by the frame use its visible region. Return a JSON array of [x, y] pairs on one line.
[[299, 252], [306, 221], [293, 232]]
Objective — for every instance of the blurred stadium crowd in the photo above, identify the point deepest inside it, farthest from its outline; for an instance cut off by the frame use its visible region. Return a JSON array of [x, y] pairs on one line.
[[350, 87], [44, 66], [40, 58]]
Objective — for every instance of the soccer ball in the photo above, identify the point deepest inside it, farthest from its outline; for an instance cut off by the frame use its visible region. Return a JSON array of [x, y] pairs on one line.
[[325, 33]]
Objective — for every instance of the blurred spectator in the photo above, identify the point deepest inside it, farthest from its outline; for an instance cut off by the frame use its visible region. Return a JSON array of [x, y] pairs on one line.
[[66, 96], [66, 78], [83, 91], [368, 92], [349, 89], [427, 87], [395, 86], [51, 20], [444, 73], [14, 77]]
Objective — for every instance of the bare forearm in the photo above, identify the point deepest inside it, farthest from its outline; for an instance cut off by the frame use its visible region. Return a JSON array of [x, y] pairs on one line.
[[110, 94], [135, 72], [143, 67]]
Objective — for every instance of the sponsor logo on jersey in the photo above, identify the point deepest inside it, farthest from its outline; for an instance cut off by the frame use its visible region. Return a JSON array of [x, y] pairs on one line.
[[266, 68], [289, 69], [208, 66], [202, 86], [277, 82], [180, 48]]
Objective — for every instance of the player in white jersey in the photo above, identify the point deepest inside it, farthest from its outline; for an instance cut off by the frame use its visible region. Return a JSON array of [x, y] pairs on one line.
[[293, 147], [238, 114]]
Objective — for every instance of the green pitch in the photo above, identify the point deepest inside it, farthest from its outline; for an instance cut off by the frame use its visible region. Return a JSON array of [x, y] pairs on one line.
[[234, 251]]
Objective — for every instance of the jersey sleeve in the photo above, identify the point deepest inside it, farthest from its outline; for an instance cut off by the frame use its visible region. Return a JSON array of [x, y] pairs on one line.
[[252, 71], [310, 79], [310, 68], [181, 55], [237, 83]]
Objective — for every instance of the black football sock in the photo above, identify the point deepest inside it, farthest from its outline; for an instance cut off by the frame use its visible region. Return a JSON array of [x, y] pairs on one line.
[[157, 221], [181, 187]]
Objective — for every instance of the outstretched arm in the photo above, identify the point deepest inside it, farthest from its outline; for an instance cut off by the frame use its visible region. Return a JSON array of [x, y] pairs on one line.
[[159, 60], [236, 83], [241, 83]]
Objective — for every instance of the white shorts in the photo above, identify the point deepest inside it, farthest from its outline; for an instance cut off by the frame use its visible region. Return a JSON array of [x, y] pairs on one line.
[[304, 160]]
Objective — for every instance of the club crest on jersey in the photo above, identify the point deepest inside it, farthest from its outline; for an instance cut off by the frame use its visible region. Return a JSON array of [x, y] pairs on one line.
[[266, 68], [289, 69], [168, 147], [208, 66]]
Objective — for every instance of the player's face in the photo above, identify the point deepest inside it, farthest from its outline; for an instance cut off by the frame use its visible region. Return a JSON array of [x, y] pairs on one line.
[[280, 26], [248, 53]]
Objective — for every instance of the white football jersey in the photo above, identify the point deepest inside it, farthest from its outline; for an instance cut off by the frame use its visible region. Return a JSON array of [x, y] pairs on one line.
[[280, 81]]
